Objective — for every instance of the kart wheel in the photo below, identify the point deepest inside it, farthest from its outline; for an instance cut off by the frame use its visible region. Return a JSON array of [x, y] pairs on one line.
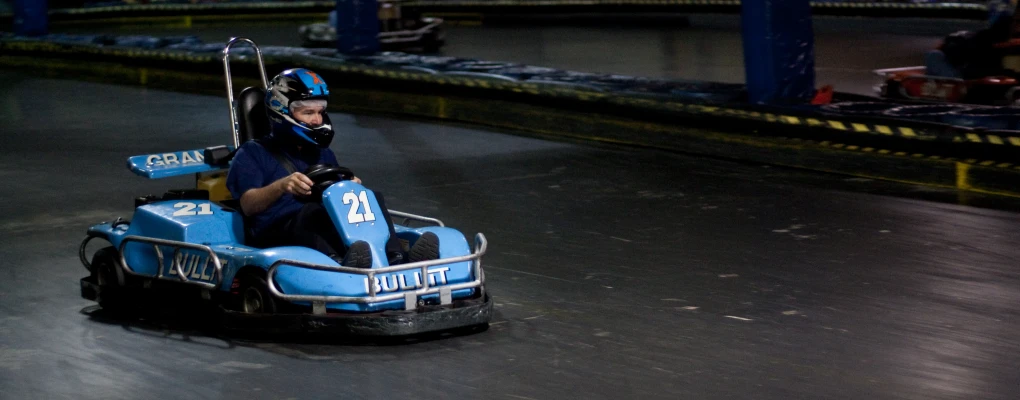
[[104, 269], [255, 296]]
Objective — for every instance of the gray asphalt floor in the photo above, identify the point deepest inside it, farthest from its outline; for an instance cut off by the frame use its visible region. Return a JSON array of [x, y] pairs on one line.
[[617, 273]]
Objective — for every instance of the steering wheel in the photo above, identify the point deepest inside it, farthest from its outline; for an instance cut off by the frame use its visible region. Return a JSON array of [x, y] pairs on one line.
[[322, 172], [323, 176]]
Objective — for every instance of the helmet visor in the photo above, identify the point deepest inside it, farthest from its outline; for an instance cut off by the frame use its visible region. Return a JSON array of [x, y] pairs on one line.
[[295, 105]]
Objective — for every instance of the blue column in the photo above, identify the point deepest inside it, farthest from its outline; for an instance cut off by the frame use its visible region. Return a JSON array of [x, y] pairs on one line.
[[1002, 19], [357, 26], [999, 10], [779, 54], [31, 18]]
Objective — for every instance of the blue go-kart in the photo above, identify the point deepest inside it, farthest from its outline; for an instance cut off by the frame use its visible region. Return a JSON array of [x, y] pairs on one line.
[[193, 245]]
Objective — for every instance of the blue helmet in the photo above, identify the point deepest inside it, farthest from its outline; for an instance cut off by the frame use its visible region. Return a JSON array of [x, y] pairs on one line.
[[291, 88]]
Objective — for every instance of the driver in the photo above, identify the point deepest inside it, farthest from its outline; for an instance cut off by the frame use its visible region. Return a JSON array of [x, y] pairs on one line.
[[301, 134]]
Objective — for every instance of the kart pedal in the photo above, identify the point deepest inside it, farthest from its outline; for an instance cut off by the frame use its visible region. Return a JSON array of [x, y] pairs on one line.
[[359, 255], [425, 248]]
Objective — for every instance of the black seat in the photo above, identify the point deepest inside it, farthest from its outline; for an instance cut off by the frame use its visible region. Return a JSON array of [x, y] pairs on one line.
[[252, 124], [252, 109]]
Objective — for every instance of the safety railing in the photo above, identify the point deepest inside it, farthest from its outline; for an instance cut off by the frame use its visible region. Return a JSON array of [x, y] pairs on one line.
[[176, 260], [410, 297], [412, 217]]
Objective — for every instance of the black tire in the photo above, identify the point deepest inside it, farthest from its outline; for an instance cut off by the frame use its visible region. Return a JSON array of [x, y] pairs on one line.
[[254, 296], [104, 271]]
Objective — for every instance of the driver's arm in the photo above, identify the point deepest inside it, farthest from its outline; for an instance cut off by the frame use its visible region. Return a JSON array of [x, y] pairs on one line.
[[257, 200]]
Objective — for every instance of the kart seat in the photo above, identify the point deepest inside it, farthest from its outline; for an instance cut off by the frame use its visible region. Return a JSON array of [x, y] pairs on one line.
[[253, 121], [252, 124]]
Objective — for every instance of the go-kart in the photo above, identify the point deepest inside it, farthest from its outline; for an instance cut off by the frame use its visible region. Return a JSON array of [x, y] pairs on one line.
[[396, 31], [186, 245], [916, 83], [912, 83]]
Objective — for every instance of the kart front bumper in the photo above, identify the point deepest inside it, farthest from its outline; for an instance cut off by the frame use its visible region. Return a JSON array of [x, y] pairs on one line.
[[459, 314], [430, 318]]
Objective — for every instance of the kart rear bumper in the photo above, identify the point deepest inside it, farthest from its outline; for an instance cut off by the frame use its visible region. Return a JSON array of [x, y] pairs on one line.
[[459, 314]]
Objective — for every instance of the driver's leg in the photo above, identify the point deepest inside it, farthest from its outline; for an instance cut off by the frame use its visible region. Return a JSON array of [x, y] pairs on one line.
[[312, 227], [394, 250]]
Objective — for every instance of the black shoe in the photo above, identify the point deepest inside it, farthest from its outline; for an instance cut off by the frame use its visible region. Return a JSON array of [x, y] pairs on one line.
[[425, 248], [359, 255]]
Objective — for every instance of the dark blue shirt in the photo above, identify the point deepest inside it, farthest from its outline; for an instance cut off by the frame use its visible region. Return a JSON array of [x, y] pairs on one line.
[[254, 167]]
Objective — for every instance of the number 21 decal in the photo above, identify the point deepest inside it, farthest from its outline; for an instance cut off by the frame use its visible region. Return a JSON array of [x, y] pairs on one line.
[[189, 209], [355, 201]]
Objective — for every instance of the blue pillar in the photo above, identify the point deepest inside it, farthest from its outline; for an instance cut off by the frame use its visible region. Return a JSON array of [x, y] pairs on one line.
[[357, 26], [999, 10], [31, 18], [779, 54], [1002, 19]]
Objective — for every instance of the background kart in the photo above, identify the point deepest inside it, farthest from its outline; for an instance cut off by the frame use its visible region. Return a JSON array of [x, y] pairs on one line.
[[187, 244], [911, 83], [396, 31], [914, 83]]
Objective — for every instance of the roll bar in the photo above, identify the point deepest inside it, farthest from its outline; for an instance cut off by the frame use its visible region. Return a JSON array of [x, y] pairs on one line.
[[234, 128]]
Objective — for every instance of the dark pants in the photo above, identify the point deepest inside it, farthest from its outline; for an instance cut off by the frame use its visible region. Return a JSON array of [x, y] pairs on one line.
[[311, 227]]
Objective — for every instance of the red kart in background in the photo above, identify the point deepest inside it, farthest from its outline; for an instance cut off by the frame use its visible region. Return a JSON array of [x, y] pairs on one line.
[[989, 74], [911, 83]]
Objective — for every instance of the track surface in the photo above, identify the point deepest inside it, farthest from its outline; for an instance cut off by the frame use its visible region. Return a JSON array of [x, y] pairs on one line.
[[847, 49], [617, 274]]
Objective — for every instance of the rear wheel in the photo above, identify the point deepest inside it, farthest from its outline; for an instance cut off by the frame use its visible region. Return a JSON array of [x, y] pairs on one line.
[[104, 271]]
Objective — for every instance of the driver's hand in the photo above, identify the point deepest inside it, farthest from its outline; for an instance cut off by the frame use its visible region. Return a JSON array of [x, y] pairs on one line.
[[356, 180], [295, 184]]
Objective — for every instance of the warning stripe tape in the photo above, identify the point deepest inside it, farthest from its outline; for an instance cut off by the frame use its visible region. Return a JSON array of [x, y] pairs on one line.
[[843, 125], [849, 147]]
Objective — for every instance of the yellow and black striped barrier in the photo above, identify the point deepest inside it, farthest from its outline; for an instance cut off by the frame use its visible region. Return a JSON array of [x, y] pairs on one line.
[[819, 124], [886, 149]]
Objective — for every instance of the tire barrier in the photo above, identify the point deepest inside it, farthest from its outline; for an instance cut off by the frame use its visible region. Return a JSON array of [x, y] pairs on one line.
[[122, 9], [702, 99], [991, 118], [860, 107], [925, 112], [677, 115]]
